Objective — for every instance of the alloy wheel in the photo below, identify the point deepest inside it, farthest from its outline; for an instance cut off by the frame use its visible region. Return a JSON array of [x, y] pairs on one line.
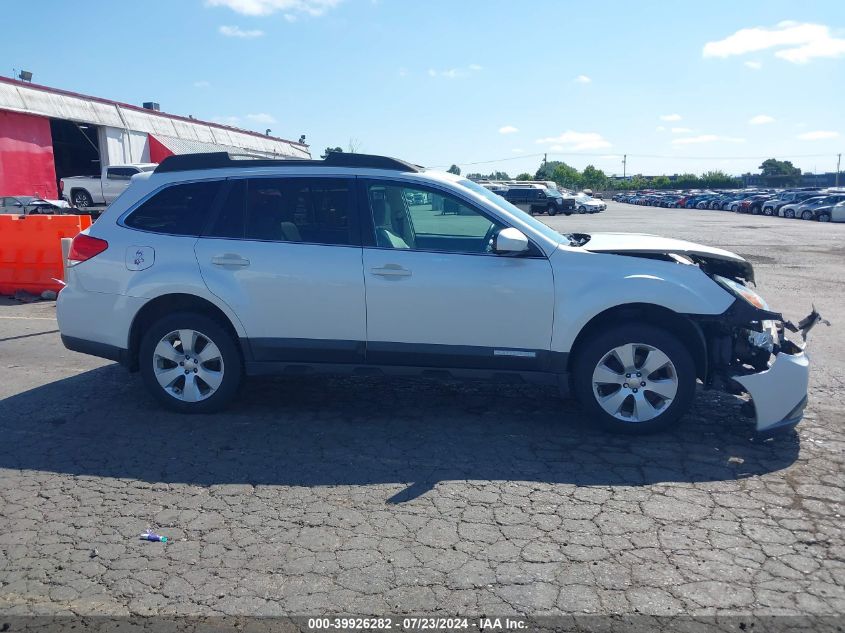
[[188, 365], [635, 382]]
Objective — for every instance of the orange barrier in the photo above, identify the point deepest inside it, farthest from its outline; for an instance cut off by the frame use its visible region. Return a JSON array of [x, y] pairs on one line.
[[31, 250]]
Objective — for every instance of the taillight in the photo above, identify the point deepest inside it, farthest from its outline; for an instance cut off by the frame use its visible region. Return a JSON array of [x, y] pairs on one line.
[[62, 186], [84, 247]]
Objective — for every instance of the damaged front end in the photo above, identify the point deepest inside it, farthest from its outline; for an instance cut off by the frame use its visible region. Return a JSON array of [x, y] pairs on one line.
[[749, 352]]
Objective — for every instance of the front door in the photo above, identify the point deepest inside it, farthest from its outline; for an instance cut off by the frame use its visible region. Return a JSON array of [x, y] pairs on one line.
[[436, 294], [285, 255]]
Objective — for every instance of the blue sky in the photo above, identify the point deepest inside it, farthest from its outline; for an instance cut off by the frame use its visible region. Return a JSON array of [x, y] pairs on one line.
[[679, 86]]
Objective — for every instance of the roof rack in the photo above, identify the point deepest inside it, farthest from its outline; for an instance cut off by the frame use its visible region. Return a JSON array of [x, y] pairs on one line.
[[221, 160]]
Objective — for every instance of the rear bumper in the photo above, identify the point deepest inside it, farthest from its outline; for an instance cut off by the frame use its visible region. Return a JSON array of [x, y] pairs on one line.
[[94, 348], [779, 394]]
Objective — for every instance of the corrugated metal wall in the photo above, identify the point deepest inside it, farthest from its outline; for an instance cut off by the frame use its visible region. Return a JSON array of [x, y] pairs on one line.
[[33, 100]]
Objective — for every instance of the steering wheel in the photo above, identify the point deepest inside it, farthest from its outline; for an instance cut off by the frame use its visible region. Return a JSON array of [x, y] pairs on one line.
[[489, 237]]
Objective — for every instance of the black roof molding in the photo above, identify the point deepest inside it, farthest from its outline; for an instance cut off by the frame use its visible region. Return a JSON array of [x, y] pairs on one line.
[[221, 160]]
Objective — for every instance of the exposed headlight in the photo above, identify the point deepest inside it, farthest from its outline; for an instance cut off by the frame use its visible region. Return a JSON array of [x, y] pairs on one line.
[[744, 292]]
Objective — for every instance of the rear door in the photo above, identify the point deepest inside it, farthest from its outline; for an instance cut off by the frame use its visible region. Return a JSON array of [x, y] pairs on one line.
[[116, 181], [285, 255]]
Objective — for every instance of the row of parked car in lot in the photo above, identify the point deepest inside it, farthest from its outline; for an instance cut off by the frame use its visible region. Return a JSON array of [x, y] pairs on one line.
[[808, 203], [545, 197]]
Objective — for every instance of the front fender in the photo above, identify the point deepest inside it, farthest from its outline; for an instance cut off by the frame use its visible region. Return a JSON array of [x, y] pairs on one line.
[[587, 284]]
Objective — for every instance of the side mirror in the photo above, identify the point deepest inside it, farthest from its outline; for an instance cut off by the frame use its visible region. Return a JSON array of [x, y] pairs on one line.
[[510, 241]]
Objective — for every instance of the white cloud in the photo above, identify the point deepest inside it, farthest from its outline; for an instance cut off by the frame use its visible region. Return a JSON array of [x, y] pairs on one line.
[[761, 119], [454, 73], [261, 117], [706, 138], [508, 129], [575, 141], [818, 135], [314, 8], [796, 42], [202, 84], [583, 79], [236, 31], [753, 65], [670, 117], [290, 17], [227, 120], [681, 130]]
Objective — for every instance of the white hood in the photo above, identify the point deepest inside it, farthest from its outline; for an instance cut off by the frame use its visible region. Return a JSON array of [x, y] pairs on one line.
[[635, 243]]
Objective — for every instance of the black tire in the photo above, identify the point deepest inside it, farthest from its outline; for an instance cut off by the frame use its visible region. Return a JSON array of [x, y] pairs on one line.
[[789, 213], [551, 210], [824, 217], [210, 328], [81, 198], [597, 348], [807, 215], [582, 209], [768, 211], [568, 212]]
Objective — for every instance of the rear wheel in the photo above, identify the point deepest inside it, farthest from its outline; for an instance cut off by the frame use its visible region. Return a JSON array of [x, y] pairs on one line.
[[807, 215], [768, 211], [824, 217], [634, 379], [81, 199], [190, 363], [789, 213]]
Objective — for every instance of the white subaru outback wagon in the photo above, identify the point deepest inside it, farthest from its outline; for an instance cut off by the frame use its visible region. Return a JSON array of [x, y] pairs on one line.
[[212, 268]]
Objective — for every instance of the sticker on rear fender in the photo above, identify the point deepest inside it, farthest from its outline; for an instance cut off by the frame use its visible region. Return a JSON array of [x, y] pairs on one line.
[[140, 257]]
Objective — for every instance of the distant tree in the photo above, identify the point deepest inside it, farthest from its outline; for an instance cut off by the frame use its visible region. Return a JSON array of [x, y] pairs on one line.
[[661, 182], [566, 176], [524, 176], [687, 181], [454, 169], [329, 150], [780, 172], [718, 180], [593, 178]]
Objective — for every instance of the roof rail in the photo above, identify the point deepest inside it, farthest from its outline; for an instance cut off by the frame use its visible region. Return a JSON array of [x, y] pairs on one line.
[[221, 160]]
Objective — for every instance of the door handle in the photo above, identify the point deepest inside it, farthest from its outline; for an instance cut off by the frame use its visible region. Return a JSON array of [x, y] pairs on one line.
[[229, 260], [391, 270]]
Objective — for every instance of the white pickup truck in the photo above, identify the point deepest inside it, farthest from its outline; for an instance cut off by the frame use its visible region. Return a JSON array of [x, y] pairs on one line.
[[86, 191]]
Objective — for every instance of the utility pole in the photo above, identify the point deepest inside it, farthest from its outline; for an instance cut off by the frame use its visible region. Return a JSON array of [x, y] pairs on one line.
[[624, 165], [838, 160]]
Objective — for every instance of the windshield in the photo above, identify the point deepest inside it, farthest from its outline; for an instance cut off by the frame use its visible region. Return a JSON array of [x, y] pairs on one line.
[[503, 204], [583, 197], [552, 193]]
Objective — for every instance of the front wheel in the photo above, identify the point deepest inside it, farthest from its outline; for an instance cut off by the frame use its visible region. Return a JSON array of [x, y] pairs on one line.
[[807, 215], [824, 217], [582, 209], [768, 211], [190, 363], [634, 379], [789, 213], [551, 210]]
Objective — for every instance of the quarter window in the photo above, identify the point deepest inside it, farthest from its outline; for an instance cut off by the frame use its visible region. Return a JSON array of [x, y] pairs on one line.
[[176, 210], [405, 217]]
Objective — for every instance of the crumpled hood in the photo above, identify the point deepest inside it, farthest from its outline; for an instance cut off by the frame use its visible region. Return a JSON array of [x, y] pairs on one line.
[[713, 260]]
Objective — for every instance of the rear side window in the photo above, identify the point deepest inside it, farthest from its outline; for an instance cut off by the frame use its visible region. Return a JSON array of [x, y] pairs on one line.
[[307, 210], [120, 173], [176, 210]]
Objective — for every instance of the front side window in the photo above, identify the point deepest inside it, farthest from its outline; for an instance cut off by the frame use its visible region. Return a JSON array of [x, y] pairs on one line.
[[176, 210], [308, 210], [408, 217]]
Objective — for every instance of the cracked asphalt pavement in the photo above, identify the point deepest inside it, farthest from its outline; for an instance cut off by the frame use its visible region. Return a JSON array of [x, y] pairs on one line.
[[325, 495]]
